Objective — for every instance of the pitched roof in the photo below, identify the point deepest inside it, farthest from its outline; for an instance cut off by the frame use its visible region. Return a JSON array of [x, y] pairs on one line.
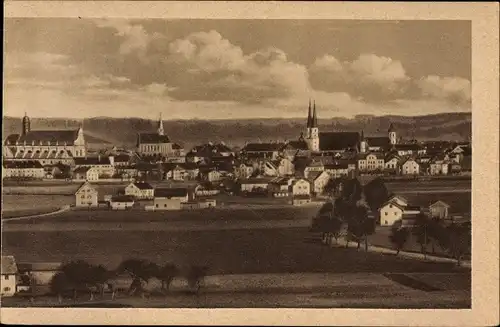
[[103, 160], [11, 139], [152, 138], [143, 186], [51, 137], [336, 141], [8, 264], [382, 141], [440, 203], [83, 185], [392, 203], [262, 147], [22, 164], [170, 192], [297, 145]]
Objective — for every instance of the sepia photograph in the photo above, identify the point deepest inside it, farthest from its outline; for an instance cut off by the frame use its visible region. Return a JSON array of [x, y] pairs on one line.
[[239, 163]]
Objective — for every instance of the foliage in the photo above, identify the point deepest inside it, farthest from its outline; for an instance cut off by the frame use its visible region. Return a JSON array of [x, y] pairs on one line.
[[421, 231], [459, 240], [376, 194], [139, 269], [398, 237], [196, 276], [166, 274]]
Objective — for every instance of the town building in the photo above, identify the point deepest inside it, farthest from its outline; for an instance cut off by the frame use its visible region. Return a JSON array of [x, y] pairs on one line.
[[253, 184], [45, 146], [319, 180], [170, 198], [90, 174], [9, 276], [22, 170], [205, 153], [338, 169], [121, 202], [301, 186], [243, 171], [390, 212], [140, 190], [410, 167], [86, 196], [262, 150], [158, 143], [103, 165], [371, 162]]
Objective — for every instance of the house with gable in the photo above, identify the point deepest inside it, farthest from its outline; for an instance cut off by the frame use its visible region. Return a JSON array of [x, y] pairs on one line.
[[86, 196], [9, 274], [439, 209], [319, 180], [140, 190]]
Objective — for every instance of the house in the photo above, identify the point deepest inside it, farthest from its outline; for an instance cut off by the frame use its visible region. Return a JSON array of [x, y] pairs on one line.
[[38, 273], [409, 149], [170, 198], [121, 202], [399, 200], [244, 171], [337, 169], [23, 169], [410, 215], [86, 196], [390, 212], [205, 189], [286, 167], [295, 148], [252, 184], [140, 190], [319, 180], [371, 162], [194, 205], [301, 186], [439, 209], [314, 166], [410, 167], [269, 168], [85, 174], [213, 175], [104, 165], [126, 172], [279, 186], [392, 163], [9, 276], [207, 152]]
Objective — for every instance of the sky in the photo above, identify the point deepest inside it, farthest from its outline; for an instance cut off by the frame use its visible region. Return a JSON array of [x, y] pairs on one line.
[[234, 69]]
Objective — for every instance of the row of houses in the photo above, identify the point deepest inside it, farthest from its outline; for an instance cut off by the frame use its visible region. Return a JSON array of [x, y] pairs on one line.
[[398, 209], [160, 198]]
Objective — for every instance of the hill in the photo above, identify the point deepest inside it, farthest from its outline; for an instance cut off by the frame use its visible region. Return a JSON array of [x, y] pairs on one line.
[[123, 131]]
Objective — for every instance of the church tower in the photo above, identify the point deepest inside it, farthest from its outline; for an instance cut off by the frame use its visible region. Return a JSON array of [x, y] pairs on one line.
[[362, 144], [160, 126], [312, 137], [26, 124], [392, 135]]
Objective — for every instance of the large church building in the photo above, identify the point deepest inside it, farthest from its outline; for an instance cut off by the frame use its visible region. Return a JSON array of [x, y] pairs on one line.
[[330, 143], [45, 146], [158, 143]]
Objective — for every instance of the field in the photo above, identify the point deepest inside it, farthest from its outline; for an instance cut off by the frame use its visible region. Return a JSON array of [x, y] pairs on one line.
[[284, 250]]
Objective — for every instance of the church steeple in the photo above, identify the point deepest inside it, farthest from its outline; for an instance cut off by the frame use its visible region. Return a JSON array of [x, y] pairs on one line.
[[314, 118], [26, 128], [160, 126], [309, 116]]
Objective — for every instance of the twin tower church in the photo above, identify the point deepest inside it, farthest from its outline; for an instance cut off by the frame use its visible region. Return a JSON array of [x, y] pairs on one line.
[[334, 142]]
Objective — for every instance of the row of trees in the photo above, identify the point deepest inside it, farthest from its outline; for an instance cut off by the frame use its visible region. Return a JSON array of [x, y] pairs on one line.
[[454, 239], [81, 276]]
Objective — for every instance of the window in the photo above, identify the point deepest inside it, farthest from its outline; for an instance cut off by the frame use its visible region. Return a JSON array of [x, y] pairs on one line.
[[386, 213], [156, 205], [395, 213], [164, 205], [390, 205], [6, 289], [6, 277]]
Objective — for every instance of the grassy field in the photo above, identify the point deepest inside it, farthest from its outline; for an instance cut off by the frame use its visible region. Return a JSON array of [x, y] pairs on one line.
[[105, 215], [225, 252], [11, 204]]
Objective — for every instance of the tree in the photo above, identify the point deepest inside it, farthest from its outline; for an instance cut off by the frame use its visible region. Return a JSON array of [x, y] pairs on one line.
[[166, 275], [59, 285], [196, 276], [79, 275], [421, 231], [437, 234], [333, 228], [360, 226], [459, 241], [398, 237], [140, 271], [376, 194]]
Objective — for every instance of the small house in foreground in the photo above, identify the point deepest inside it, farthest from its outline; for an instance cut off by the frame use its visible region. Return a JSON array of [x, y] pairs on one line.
[[86, 196], [170, 198], [9, 276]]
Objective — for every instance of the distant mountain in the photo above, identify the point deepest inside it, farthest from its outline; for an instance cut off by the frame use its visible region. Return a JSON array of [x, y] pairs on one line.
[[123, 131]]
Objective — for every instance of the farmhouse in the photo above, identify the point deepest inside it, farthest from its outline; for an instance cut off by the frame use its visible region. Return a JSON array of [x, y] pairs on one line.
[[121, 202], [86, 174], [390, 212], [169, 198], [86, 196], [439, 209], [39, 273], [140, 190], [410, 167], [319, 180], [9, 276], [301, 187]]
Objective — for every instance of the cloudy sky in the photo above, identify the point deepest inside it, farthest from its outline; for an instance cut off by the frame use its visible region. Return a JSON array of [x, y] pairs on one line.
[[216, 69]]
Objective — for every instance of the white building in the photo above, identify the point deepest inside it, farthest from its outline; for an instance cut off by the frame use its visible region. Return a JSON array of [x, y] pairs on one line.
[[23, 169], [140, 190], [390, 212], [103, 165], [248, 185], [86, 196], [371, 162], [9, 276], [121, 202], [86, 174], [410, 167], [301, 187], [170, 198], [320, 181]]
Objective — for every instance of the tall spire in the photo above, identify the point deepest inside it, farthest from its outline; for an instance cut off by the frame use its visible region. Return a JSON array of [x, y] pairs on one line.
[[160, 126], [309, 116], [362, 135], [314, 119]]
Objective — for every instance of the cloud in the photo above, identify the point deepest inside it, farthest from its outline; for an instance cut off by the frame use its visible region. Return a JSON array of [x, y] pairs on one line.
[[370, 77], [135, 37], [455, 89]]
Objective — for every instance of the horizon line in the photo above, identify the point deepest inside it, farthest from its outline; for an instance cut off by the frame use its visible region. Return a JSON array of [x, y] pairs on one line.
[[245, 118]]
